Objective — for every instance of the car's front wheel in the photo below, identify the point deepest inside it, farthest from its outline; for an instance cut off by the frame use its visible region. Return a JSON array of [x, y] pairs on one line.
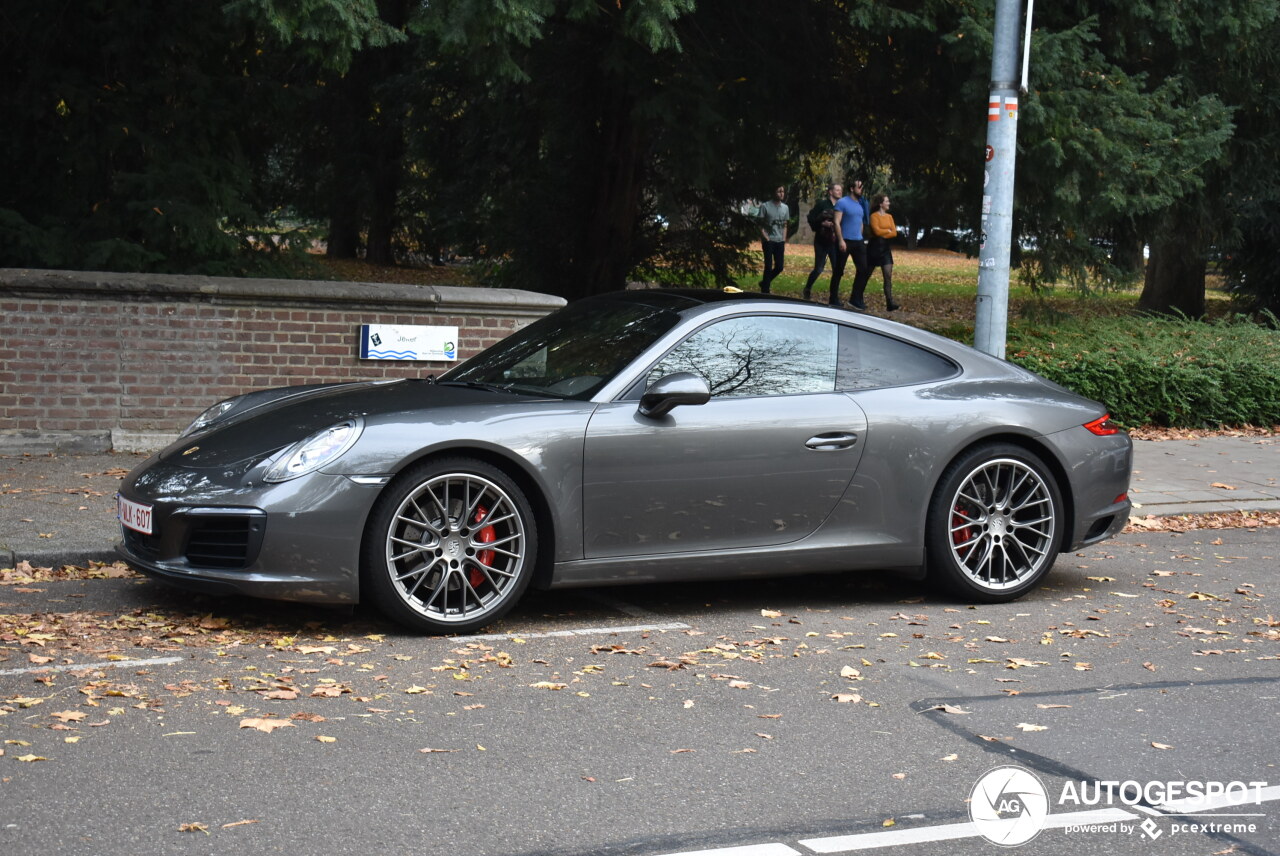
[[450, 547], [993, 524]]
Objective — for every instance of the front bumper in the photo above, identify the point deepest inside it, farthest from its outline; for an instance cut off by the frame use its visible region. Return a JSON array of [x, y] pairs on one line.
[[298, 540]]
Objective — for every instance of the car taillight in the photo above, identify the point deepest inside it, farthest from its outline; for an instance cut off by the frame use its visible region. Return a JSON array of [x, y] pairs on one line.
[[1103, 426]]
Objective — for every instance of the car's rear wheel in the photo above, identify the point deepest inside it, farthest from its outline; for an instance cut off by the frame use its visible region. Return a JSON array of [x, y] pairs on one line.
[[993, 525], [450, 547]]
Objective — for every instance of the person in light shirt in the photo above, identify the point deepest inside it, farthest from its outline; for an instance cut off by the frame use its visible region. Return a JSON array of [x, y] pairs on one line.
[[773, 218]]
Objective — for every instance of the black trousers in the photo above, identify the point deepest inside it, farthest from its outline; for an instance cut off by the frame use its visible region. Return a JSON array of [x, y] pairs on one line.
[[774, 254], [862, 271], [821, 254]]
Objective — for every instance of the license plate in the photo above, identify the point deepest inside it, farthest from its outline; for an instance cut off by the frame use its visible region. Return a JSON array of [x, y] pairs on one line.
[[135, 515]]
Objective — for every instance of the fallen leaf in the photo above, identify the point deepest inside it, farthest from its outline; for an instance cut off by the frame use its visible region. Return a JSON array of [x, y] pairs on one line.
[[1051, 706], [770, 613], [69, 715], [1027, 726], [1222, 486], [30, 758], [429, 751], [847, 698], [1161, 745], [548, 685], [238, 823], [947, 708], [266, 725], [194, 827], [952, 757], [321, 738]]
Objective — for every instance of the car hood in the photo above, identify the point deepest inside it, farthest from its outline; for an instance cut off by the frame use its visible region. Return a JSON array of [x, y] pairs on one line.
[[278, 418]]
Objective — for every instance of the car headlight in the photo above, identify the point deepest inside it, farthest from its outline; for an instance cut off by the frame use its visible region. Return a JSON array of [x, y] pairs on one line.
[[204, 420], [320, 448]]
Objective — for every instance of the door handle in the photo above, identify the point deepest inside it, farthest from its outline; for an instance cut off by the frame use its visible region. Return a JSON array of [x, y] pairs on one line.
[[832, 442]]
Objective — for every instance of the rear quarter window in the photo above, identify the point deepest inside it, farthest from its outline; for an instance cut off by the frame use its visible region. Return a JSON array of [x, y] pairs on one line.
[[869, 360]]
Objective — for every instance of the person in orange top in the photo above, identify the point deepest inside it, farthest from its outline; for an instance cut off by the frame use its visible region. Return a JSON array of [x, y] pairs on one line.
[[880, 254]]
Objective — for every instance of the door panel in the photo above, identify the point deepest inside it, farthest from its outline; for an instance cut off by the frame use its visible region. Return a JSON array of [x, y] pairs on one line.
[[730, 474]]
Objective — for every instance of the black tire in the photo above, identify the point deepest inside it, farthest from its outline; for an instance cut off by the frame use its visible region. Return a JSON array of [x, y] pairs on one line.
[[450, 546], [994, 524]]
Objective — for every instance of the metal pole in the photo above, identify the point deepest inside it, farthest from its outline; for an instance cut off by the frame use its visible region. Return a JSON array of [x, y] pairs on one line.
[[991, 329]]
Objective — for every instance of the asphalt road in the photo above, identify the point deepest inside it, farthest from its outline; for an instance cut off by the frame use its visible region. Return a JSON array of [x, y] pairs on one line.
[[772, 718]]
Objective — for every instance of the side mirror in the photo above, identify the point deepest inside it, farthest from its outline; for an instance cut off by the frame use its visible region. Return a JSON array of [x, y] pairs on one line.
[[673, 390]]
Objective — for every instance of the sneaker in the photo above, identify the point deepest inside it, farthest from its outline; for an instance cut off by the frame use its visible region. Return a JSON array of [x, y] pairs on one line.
[[858, 305], [893, 307]]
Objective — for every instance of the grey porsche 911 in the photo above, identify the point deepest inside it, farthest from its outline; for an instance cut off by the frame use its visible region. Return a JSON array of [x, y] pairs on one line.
[[636, 437]]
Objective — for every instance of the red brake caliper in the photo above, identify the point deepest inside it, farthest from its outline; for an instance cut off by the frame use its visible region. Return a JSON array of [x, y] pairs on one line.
[[484, 557], [960, 537]]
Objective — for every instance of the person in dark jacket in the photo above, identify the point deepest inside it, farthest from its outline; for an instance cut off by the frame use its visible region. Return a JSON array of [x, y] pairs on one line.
[[826, 242]]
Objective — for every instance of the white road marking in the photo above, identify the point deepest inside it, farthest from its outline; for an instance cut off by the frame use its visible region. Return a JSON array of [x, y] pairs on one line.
[[110, 664], [581, 631], [947, 832], [748, 850]]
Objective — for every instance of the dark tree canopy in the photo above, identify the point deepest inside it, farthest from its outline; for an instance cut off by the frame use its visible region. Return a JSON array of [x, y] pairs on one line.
[[576, 144]]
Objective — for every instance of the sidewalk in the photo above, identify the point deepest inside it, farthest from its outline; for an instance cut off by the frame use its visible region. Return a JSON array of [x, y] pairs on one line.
[[60, 509]]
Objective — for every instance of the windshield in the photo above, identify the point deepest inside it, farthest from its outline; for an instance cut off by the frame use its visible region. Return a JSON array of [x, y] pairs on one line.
[[570, 353]]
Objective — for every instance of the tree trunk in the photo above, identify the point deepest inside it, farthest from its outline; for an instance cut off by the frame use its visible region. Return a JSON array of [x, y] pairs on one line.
[[607, 254], [1127, 255], [1175, 275], [388, 144], [348, 107], [343, 239]]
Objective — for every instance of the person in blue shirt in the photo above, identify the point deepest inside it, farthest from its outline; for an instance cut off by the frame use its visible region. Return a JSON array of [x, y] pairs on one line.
[[851, 221]]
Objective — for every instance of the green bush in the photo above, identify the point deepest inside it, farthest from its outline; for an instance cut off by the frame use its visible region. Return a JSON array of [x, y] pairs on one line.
[[1173, 372]]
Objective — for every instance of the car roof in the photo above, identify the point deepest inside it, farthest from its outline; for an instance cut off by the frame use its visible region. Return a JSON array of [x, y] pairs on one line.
[[678, 299]]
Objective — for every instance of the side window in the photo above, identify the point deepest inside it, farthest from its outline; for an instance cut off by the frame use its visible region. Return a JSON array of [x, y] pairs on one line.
[[871, 361], [758, 355]]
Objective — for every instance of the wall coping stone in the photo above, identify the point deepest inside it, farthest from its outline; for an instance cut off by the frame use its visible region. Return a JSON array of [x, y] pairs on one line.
[[386, 297]]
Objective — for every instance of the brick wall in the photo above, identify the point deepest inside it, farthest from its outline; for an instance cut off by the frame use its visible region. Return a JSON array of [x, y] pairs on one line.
[[97, 360]]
